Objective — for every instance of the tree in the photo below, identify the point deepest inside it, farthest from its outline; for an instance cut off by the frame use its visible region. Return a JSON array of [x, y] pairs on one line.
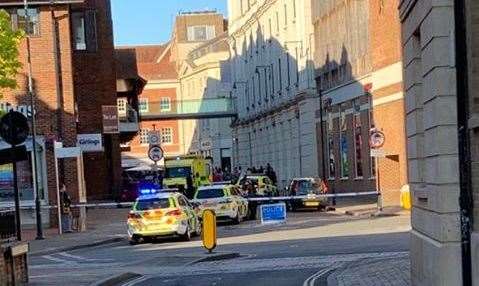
[[9, 63]]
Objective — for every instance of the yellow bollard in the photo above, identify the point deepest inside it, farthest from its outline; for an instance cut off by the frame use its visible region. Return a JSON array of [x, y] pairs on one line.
[[209, 230], [406, 198]]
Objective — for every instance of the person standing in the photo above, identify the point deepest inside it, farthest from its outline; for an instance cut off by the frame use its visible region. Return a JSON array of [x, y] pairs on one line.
[[65, 203]]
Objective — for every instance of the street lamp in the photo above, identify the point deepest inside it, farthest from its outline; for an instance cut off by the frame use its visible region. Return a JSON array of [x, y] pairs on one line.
[[38, 209]]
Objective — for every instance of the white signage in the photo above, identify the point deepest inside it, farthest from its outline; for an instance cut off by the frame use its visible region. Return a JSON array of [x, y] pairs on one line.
[[378, 153], [71, 152], [90, 142]]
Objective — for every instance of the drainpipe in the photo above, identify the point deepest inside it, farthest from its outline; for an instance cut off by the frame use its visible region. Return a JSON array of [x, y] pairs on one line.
[[465, 197]]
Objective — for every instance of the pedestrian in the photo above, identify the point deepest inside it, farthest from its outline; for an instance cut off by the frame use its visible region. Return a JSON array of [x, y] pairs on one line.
[[65, 208], [261, 170]]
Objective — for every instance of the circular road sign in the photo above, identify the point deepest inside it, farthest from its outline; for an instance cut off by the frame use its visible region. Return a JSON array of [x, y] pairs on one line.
[[377, 139], [155, 153], [154, 138], [14, 128]]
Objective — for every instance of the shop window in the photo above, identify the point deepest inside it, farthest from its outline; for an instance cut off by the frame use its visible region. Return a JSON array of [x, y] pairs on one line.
[[343, 143], [166, 135], [84, 31], [30, 24], [144, 136], [358, 140], [165, 104], [144, 107]]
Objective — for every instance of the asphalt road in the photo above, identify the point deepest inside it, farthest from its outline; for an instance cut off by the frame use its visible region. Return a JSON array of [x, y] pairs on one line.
[[301, 252]]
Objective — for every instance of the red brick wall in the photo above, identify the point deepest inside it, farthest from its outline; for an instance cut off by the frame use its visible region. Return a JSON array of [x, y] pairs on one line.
[[173, 148], [95, 85], [385, 33], [50, 123], [385, 46]]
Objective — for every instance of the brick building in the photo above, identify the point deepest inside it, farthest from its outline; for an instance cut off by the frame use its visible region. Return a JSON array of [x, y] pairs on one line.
[[180, 76], [158, 96], [72, 60], [359, 74]]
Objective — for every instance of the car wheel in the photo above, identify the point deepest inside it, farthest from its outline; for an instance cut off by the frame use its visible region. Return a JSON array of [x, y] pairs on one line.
[[198, 228], [134, 240], [237, 219], [187, 235]]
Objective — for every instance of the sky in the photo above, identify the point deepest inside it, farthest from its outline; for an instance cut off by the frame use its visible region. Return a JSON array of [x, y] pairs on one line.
[[137, 22]]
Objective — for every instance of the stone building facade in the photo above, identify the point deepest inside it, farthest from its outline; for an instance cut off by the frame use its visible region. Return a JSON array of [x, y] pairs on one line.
[[205, 76], [360, 77], [439, 41], [72, 78], [271, 43]]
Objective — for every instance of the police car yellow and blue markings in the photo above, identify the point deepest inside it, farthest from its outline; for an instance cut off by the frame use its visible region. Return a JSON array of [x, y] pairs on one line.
[[156, 214]]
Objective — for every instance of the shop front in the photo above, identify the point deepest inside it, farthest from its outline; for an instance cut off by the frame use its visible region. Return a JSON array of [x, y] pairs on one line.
[[26, 178]]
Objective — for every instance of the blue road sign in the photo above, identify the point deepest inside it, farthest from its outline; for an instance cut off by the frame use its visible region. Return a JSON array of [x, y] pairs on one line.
[[273, 213]]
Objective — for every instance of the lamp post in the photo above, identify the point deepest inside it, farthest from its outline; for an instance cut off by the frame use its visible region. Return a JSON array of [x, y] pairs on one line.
[[38, 209]]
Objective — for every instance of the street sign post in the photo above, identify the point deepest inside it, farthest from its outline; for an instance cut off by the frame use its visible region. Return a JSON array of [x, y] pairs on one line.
[[377, 140], [154, 138], [155, 153], [378, 153], [14, 130]]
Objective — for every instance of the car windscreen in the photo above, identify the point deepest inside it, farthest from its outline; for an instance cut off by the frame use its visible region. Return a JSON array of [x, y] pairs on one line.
[[178, 172], [307, 187], [210, 194], [153, 203]]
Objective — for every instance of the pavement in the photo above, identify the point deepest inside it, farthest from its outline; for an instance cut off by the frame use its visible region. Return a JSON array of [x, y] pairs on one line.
[[104, 226], [311, 248]]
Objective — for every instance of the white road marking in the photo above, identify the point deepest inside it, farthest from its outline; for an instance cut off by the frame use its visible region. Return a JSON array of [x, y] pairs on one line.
[[312, 279], [136, 281], [59, 260], [64, 254]]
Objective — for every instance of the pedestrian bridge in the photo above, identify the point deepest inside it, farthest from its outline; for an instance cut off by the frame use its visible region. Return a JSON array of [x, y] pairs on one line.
[[189, 109]]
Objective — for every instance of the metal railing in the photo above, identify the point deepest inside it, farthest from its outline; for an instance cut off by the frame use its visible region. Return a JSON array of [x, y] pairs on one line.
[[7, 225]]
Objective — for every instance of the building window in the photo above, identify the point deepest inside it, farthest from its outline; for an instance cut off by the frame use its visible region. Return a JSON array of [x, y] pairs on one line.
[[288, 64], [343, 143], [167, 135], [331, 157], [280, 75], [294, 9], [121, 102], [84, 30], [270, 24], [277, 22], [144, 107], [200, 33], [285, 16], [144, 135], [358, 140], [30, 25], [165, 104]]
